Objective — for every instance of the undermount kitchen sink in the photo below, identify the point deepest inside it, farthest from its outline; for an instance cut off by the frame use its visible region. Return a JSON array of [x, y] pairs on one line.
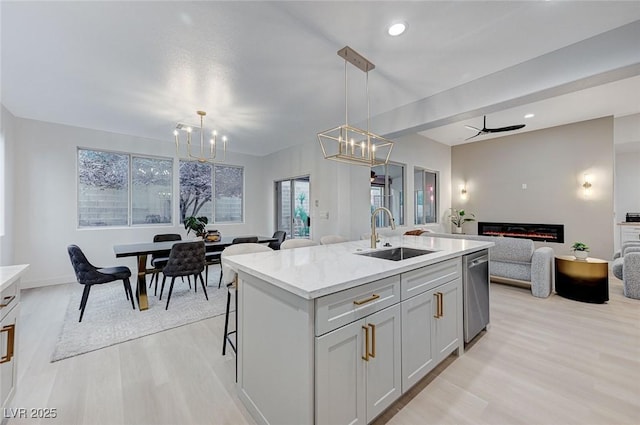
[[397, 254]]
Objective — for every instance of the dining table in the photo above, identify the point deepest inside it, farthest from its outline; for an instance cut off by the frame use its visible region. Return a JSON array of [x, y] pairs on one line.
[[143, 249]]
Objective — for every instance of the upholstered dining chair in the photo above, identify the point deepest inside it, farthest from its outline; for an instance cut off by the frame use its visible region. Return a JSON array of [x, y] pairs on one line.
[[280, 235], [329, 239], [297, 243], [185, 259], [87, 274], [158, 261], [230, 279], [236, 241]]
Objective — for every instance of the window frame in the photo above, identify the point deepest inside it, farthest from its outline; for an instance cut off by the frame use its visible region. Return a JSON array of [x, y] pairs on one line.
[[213, 193], [382, 219], [436, 195], [130, 157]]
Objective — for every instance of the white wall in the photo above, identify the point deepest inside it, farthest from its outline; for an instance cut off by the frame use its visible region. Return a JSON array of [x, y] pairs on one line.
[[7, 143], [418, 151], [338, 189], [627, 184], [46, 209], [343, 190]]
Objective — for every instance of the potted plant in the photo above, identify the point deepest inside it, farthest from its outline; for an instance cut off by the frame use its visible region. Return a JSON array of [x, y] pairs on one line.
[[197, 224], [580, 250], [459, 217]]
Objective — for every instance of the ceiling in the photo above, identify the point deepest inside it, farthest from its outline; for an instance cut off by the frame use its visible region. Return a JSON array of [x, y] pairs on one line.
[[268, 75]]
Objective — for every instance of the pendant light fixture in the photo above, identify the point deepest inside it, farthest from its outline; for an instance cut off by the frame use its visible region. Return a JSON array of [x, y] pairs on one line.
[[206, 153], [349, 144]]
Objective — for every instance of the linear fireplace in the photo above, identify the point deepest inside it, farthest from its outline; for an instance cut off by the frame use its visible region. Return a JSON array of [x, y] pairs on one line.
[[536, 232]]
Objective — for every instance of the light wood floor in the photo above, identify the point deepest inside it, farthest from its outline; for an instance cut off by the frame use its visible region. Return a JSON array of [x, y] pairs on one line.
[[543, 361]]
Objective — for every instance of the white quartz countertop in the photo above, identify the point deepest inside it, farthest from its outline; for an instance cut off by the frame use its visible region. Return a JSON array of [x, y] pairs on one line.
[[9, 274], [312, 272]]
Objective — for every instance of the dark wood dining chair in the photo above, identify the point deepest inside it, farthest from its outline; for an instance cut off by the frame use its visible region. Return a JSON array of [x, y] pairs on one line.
[[236, 241], [87, 274], [185, 259]]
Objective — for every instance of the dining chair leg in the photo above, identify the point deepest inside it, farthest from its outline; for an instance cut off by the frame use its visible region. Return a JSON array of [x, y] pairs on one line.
[[164, 278], [83, 303], [173, 279], [203, 286], [220, 280], [127, 289], [226, 323]]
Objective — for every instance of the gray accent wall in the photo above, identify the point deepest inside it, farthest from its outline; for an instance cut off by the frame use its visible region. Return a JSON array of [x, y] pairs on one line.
[[537, 177]]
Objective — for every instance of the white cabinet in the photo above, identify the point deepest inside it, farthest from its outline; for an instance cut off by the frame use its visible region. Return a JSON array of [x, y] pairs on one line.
[[8, 366], [418, 356], [629, 233], [431, 320], [359, 369], [344, 357], [9, 312], [447, 319]]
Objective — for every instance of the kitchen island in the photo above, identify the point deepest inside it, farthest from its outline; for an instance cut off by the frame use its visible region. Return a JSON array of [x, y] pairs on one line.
[[328, 335]]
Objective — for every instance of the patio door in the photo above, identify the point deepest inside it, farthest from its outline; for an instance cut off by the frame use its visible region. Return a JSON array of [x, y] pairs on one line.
[[292, 207]]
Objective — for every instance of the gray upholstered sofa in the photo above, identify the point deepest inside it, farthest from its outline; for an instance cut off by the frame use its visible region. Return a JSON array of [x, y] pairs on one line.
[[517, 260], [626, 267]]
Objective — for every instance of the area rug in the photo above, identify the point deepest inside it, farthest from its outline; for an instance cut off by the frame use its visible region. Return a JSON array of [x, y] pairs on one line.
[[109, 319]]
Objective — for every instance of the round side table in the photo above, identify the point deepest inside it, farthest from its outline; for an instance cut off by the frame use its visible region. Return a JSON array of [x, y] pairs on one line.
[[582, 280]]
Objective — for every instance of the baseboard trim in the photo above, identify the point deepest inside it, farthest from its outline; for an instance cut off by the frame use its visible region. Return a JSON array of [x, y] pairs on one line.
[[28, 284]]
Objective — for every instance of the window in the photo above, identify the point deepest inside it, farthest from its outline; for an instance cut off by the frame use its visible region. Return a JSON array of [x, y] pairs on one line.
[[213, 191], [387, 190], [107, 180], [151, 182], [292, 207], [103, 188], [426, 196], [229, 184]]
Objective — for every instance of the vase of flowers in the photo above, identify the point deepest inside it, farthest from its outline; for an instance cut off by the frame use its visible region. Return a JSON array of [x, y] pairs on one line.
[[458, 218]]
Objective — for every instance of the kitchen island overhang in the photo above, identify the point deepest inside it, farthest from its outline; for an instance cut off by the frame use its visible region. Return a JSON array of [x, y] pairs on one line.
[[292, 304]]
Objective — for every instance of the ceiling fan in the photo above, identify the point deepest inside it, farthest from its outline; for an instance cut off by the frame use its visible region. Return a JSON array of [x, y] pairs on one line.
[[486, 130]]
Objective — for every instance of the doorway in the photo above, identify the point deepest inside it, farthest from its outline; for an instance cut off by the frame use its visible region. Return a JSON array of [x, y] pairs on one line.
[[292, 207]]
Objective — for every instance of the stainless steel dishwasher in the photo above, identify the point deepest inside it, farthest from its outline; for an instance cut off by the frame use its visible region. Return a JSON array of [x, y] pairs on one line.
[[475, 268]]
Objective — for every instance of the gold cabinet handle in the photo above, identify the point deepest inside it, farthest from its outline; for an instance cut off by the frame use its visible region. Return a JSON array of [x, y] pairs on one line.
[[367, 300], [11, 333], [439, 305], [372, 354], [366, 344], [7, 300]]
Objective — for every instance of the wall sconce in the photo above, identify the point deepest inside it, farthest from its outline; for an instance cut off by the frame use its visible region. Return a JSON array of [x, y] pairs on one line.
[[463, 191], [587, 185]]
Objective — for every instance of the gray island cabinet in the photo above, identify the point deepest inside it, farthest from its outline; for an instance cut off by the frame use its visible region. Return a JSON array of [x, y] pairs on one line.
[[327, 336]]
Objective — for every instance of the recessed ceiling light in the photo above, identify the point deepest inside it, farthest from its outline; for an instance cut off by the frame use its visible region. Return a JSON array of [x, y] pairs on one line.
[[397, 28], [530, 115]]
